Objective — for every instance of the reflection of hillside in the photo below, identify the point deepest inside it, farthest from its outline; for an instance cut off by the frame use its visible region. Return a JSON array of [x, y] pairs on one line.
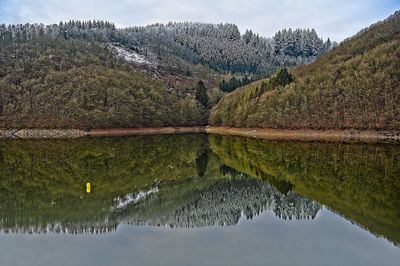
[[359, 181], [184, 184], [172, 180], [42, 182], [224, 203]]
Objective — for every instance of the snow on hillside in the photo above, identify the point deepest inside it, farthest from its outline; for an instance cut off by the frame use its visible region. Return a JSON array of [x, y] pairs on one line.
[[129, 55]]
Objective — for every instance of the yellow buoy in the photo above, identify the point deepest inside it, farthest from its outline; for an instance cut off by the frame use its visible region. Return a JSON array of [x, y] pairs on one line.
[[88, 187]]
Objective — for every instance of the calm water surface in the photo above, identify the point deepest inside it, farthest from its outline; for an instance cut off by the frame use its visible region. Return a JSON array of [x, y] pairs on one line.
[[198, 200]]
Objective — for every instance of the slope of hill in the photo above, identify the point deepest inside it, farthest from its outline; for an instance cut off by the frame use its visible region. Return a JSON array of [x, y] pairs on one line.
[[93, 75], [71, 83], [356, 86]]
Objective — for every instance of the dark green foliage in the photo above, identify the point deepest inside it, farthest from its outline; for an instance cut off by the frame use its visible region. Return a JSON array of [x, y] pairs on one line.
[[233, 84], [201, 163], [201, 94], [355, 86], [282, 78], [284, 186]]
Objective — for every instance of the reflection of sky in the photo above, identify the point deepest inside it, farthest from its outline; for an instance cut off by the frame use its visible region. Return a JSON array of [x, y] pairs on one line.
[[266, 240]]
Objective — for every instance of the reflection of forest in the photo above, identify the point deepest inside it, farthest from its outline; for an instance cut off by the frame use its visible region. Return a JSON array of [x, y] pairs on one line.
[[42, 186], [359, 181], [42, 183], [192, 181], [222, 204]]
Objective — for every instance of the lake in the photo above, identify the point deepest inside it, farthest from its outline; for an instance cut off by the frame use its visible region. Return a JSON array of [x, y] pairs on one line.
[[198, 200]]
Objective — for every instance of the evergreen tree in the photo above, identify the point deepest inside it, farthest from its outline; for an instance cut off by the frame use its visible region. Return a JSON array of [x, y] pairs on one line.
[[245, 81], [201, 94], [222, 85], [283, 78], [201, 162], [233, 84]]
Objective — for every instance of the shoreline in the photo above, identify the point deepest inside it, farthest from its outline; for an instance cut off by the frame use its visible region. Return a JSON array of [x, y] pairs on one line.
[[107, 132], [115, 132], [309, 134], [260, 133]]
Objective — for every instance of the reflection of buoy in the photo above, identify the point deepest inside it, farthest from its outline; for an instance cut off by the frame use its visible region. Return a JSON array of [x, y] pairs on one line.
[[88, 188]]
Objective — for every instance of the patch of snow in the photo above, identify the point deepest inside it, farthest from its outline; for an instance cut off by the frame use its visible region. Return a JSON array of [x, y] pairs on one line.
[[129, 55], [122, 202]]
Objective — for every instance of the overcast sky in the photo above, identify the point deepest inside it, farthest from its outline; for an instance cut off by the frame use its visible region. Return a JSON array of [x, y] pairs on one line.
[[337, 19]]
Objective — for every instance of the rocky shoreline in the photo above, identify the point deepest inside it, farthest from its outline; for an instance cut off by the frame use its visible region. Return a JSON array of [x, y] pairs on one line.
[[261, 133], [41, 133], [79, 133]]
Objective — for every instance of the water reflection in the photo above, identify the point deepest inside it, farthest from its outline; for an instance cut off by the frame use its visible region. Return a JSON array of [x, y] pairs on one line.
[[222, 204], [359, 181], [193, 181]]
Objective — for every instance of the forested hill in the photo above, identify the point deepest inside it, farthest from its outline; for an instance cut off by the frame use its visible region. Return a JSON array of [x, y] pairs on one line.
[[221, 46], [356, 85], [86, 74]]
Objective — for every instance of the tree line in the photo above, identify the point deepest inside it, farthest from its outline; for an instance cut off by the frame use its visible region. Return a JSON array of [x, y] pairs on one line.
[[221, 46]]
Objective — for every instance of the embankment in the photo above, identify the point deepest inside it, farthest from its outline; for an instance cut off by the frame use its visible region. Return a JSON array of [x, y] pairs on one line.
[[261, 133], [308, 134], [78, 133]]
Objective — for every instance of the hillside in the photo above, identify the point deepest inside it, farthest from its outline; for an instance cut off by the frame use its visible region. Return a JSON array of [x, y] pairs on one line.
[[223, 48], [74, 83], [90, 74], [356, 86]]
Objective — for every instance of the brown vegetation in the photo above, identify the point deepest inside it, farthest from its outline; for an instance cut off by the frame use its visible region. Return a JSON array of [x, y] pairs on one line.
[[355, 86], [50, 83]]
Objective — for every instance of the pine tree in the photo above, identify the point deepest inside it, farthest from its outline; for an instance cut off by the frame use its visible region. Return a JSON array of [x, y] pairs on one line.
[[283, 78], [245, 81], [328, 45], [201, 94]]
